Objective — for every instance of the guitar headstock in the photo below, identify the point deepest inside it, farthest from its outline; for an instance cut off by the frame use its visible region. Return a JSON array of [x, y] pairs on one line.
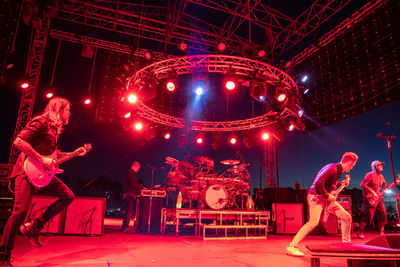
[[83, 149], [87, 147]]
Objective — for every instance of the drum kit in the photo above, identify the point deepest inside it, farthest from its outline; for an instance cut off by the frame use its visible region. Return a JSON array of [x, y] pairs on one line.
[[201, 186]]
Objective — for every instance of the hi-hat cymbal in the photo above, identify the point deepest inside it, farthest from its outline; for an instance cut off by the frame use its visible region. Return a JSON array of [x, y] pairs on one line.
[[230, 161], [203, 160], [171, 161]]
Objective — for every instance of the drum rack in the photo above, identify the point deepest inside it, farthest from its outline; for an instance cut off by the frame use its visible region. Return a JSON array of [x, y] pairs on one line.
[[234, 223]]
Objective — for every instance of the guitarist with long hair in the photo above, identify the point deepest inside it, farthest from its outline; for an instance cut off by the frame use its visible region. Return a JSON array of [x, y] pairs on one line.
[[373, 205], [37, 141], [321, 195]]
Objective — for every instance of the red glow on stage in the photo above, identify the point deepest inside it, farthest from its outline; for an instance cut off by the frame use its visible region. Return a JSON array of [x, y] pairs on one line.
[[127, 115], [170, 86], [230, 85], [138, 126], [24, 85], [167, 136], [49, 95], [132, 98], [199, 140], [265, 136], [87, 101], [233, 140]]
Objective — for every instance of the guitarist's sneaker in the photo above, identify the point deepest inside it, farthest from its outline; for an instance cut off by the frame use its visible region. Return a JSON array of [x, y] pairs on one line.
[[31, 231], [360, 234], [293, 251]]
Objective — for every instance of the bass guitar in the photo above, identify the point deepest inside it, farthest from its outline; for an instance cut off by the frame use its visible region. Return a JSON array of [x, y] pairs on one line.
[[40, 176], [373, 198], [328, 208]]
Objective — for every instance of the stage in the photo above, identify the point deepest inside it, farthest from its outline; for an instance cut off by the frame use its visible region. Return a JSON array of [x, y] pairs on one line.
[[121, 249]]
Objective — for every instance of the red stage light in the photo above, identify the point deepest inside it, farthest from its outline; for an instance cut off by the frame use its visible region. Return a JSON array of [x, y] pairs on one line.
[[87, 101], [182, 46], [281, 97], [24, 85], [261, 53], [138, 126], [127, 115], [167, 136], [221, 47], [291, 127], [49, 95], [230, 85], [233, 140], [265, 136], [170, 86], [132, 98], [199, 140]]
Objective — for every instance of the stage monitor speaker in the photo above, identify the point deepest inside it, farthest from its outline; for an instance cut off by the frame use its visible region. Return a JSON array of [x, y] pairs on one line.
[[85, 216], [386, 241], [147, 214], [39, 205], [289, 217]]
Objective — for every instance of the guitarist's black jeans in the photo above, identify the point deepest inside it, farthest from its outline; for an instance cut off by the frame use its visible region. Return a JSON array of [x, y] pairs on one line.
[[370, 211], [23, 201]]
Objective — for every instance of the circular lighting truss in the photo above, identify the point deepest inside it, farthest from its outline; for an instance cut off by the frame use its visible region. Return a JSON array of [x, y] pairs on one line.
[[243, 67]]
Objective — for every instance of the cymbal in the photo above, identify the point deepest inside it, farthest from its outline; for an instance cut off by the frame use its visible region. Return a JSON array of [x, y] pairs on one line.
[[230, 161], [171, 161], [203, 160]]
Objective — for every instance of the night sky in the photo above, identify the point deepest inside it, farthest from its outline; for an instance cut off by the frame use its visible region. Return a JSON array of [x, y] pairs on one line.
[[300, 156]]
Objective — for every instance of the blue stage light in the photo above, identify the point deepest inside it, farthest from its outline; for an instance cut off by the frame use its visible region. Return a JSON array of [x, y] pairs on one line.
[[199, 91]]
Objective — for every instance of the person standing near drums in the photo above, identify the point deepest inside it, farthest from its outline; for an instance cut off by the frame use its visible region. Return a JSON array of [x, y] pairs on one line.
[[132, 190]]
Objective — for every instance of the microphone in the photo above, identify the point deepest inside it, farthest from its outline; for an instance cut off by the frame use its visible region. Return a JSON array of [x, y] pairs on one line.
[[387, 136], [151, 166]]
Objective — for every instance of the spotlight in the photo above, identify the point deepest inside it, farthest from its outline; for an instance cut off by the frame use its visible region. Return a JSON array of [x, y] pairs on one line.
[[306, 91], [261, 98], [304, 78], [199, 140], [182, 46], [128, 115], [280, 94], [264, 136], [49, 95], [132, 98], [167, 136], [138, 126], [199, 91], [87, 101], [221, 47], [24, 85], [233, 140], [230, 85], [261, 53], [291, 127], [170, 86]]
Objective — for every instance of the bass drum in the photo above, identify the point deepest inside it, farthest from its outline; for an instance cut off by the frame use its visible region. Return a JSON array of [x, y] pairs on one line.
[[215, 196]]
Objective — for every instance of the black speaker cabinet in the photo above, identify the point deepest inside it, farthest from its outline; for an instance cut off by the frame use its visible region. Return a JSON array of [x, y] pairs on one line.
[[289, 217], [149, 214]]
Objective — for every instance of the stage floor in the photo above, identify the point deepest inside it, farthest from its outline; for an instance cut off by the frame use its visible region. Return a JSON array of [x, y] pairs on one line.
[[121, 249]]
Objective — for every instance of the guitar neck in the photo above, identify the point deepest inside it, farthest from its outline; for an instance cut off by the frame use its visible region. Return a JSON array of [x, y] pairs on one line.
[[67, 157]]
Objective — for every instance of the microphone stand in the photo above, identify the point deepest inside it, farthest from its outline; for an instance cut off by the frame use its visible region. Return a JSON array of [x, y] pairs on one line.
[[388, 137], [151, 196]]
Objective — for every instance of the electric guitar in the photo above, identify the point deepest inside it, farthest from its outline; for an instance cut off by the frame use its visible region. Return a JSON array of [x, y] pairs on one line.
[[373, 199], [329, 207], [40, 176]]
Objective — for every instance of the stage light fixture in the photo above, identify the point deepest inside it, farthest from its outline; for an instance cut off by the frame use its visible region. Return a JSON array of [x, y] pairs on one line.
[[128, 115], [304, 78], [132, 98], [170, 86], [182, 46], [199, 140], [87, 101], [148, 55], [221, 47], [49, 95], [230, 85], [280, 94], [258, 91], [138, 126], [290, 127], [199, 91], [261, 53], [167, 136], [306, 91], [264, 135], [297, 110], [298, 124], [171, 82], [24, 85]]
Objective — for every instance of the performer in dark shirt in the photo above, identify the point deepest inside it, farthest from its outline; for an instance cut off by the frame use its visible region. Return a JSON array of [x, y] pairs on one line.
[[132, 190], [371, 185], [37, 140], [321, 194]]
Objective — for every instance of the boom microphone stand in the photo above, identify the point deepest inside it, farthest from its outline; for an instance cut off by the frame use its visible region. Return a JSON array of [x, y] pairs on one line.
[[388, 138]]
